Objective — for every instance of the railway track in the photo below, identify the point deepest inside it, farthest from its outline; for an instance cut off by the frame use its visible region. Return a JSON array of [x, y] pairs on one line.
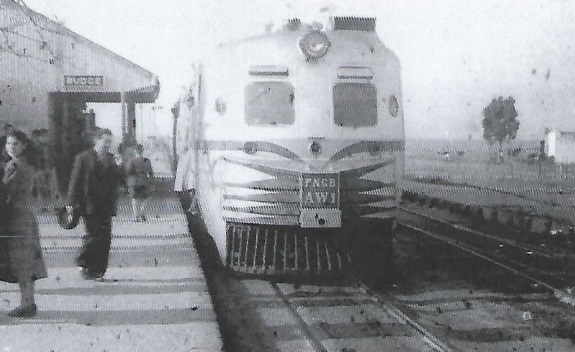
[[542, 240], [528, 195], [336, 318], [334, 315], [526, 210], [541, 267], [351, 316]]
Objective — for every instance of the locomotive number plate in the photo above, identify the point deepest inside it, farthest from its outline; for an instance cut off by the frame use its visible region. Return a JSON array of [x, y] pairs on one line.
[[319, 191], [320, 200]]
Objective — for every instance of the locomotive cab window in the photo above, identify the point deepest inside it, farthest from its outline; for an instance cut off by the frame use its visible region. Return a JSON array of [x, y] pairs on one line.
[[269, 103], [355, 104]]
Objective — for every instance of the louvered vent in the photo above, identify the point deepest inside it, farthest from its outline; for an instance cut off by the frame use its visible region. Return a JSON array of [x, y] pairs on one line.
[[364, 24]]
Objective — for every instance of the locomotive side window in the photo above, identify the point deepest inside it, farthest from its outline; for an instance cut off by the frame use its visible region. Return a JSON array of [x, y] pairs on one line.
[[269, 103], [355, 104]]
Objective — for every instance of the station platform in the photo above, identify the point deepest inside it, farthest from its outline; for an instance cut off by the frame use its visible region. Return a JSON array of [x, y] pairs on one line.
[[154, 296]]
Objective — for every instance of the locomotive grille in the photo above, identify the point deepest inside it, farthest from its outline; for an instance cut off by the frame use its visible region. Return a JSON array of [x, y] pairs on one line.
[[280, 205], [273, 250]]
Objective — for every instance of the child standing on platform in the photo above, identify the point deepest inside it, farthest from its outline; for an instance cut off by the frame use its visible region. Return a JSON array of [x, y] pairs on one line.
[[139, 175]]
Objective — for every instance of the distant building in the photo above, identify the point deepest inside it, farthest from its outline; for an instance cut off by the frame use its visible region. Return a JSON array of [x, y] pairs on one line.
[[560, 145]]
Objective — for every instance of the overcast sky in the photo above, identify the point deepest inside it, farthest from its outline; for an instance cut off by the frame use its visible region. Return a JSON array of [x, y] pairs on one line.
[[456, 54]]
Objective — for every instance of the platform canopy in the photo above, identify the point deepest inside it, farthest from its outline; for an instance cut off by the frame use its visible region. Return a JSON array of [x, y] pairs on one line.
[[44, 65], [38, 51]]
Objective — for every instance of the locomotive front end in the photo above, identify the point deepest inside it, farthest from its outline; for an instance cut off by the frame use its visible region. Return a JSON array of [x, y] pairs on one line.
[[300, 146], [294, 217]]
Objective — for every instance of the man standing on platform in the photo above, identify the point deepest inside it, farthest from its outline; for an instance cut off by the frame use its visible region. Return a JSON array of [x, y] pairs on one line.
[[185, 183], [93, 192]]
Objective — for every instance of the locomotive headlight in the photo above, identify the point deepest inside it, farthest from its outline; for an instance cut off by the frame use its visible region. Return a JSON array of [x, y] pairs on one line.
[[314, 44], [393, 106]]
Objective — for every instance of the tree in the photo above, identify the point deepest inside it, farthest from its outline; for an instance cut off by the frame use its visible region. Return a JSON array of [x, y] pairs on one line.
[[500, 122]]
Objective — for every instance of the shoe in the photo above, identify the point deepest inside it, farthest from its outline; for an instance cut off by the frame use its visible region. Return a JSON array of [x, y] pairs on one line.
[[23, 312], [87, 275]]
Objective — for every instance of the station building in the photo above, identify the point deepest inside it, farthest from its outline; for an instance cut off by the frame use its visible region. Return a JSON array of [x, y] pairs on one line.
[[49, 73]]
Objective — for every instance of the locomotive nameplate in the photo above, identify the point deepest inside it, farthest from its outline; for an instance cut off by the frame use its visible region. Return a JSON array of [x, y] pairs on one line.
[[319, 191], [319, 200]]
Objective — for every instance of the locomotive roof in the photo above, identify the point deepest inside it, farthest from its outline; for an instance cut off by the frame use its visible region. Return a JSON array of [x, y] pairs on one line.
[[361, 36], [364, 25]]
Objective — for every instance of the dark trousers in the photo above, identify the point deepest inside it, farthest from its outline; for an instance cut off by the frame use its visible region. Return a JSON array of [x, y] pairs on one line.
[[96, 243]]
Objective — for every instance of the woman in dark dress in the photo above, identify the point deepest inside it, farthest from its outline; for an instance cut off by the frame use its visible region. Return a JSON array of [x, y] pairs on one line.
[[20, 227]]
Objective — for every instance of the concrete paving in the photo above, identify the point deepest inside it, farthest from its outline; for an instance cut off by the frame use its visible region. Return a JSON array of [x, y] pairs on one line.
[[153, 298]]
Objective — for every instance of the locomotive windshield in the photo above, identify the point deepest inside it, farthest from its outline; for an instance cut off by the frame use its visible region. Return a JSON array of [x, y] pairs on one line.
[[269, 103], [355, 104]]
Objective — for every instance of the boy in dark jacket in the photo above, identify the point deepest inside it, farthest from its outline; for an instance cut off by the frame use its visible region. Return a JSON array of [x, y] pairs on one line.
[[139, 179]]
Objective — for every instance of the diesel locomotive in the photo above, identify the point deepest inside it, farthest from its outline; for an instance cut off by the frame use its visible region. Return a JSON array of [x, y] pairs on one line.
[[290, 146]]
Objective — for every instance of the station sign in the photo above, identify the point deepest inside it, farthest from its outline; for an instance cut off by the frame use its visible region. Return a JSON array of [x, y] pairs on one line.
[[83, 81]]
